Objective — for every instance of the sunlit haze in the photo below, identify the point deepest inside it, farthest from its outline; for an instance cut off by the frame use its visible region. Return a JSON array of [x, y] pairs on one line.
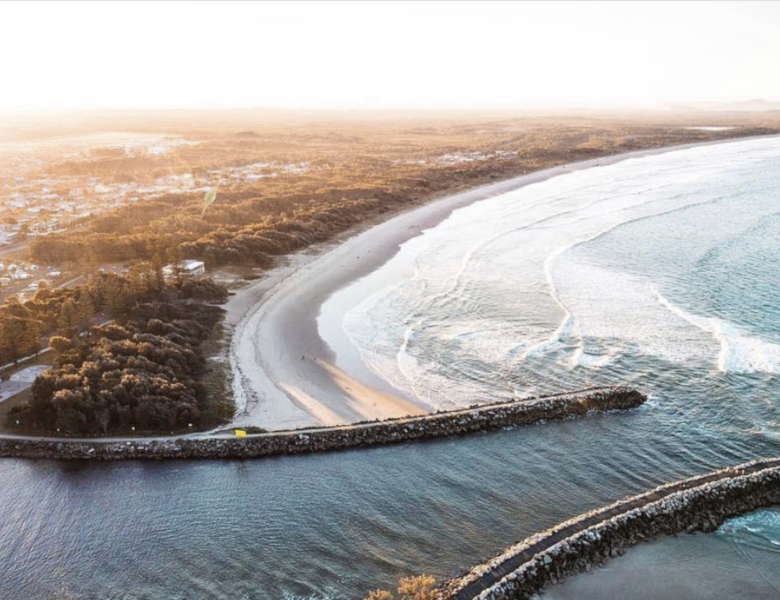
[[362, 292], [398, 55]]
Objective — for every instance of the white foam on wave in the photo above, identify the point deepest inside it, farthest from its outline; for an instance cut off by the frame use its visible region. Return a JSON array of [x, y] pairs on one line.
[[568, 329], [511, 289], [611, 312], [740, 352], [615, 313]]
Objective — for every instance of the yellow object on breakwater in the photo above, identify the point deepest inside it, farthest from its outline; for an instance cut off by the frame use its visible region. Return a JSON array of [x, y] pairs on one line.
[[480, 417]]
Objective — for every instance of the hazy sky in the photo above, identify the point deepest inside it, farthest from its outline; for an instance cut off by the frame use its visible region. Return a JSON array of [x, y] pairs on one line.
[[436, 54]]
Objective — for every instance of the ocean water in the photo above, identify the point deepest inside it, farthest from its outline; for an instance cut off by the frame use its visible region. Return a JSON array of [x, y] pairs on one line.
[[663, 266], [661, 272], [740, 560]]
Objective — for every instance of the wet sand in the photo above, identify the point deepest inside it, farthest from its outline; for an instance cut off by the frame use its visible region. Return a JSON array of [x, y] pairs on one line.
[[284, 372]]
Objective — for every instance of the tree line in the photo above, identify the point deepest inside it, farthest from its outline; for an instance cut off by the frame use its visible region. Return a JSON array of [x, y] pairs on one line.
[[24, 326], [141, 372], [252, 221]]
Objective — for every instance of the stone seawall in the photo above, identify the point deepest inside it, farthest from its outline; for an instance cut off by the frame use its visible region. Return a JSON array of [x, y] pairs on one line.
[[390, 431], [698, 504]]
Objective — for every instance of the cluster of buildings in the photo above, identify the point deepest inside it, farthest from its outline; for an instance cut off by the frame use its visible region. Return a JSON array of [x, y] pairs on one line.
[[40, 206], [17, 277], [257, 171], [453, 158], [34, 204], [466, 157]]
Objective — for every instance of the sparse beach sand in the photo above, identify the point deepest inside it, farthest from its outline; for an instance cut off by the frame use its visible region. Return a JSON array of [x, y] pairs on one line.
[[284, 373]]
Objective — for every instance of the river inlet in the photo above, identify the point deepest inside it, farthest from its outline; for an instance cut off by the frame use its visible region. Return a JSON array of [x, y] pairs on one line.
[[696, 230]]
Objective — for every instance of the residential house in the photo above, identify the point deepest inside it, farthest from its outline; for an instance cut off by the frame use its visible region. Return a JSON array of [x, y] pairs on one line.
[[186, 268]]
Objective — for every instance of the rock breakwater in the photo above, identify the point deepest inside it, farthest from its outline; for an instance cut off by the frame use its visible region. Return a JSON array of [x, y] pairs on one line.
[[697, 504], [442, 424]]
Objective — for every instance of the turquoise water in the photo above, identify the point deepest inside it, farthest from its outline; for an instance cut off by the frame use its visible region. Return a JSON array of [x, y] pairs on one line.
[[661, 272]]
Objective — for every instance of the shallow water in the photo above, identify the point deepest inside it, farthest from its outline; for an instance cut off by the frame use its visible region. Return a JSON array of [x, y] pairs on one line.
[[740, 560], [661, 272], [662, 264]]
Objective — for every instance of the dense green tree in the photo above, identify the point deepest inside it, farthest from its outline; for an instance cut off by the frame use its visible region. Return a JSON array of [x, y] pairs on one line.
[[142, 370], [68, 319], [60, 344], [85, 310], [19, 338]]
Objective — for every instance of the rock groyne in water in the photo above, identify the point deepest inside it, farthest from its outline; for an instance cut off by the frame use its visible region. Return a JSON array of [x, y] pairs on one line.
[[442, 424], [698, 504]]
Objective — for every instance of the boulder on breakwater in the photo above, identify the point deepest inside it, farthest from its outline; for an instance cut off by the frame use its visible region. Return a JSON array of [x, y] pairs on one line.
[[697, 504], [442, 424]]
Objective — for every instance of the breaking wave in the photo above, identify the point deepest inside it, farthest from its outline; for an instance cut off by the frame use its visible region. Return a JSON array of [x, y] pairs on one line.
[[587, 278]]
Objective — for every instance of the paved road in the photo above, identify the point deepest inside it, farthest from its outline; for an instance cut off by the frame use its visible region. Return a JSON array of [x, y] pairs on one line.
[[15, 247], [513, 563]]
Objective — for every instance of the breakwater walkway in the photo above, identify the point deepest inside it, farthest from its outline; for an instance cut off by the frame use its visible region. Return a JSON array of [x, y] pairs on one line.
[[375, 433], [700, 503]]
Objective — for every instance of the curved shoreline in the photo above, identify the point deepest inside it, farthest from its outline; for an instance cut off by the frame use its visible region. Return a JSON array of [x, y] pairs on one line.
[[284, 373], [700, 503]]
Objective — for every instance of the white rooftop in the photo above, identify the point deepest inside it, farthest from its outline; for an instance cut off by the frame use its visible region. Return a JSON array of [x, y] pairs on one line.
[[192, 265]]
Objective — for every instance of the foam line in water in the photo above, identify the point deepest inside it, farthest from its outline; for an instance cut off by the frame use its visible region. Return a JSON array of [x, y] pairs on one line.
[[739, 352], [556, 284], [568, 324]]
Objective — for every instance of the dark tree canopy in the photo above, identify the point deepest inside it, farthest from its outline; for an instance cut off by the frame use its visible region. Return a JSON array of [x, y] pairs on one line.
[[143, 372]]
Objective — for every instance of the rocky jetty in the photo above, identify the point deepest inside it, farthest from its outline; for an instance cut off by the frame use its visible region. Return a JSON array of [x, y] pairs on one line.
[[698, 504], [442, 424]]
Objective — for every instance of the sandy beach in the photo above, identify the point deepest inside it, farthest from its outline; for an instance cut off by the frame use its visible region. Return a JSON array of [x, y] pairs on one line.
[[284, 372]]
